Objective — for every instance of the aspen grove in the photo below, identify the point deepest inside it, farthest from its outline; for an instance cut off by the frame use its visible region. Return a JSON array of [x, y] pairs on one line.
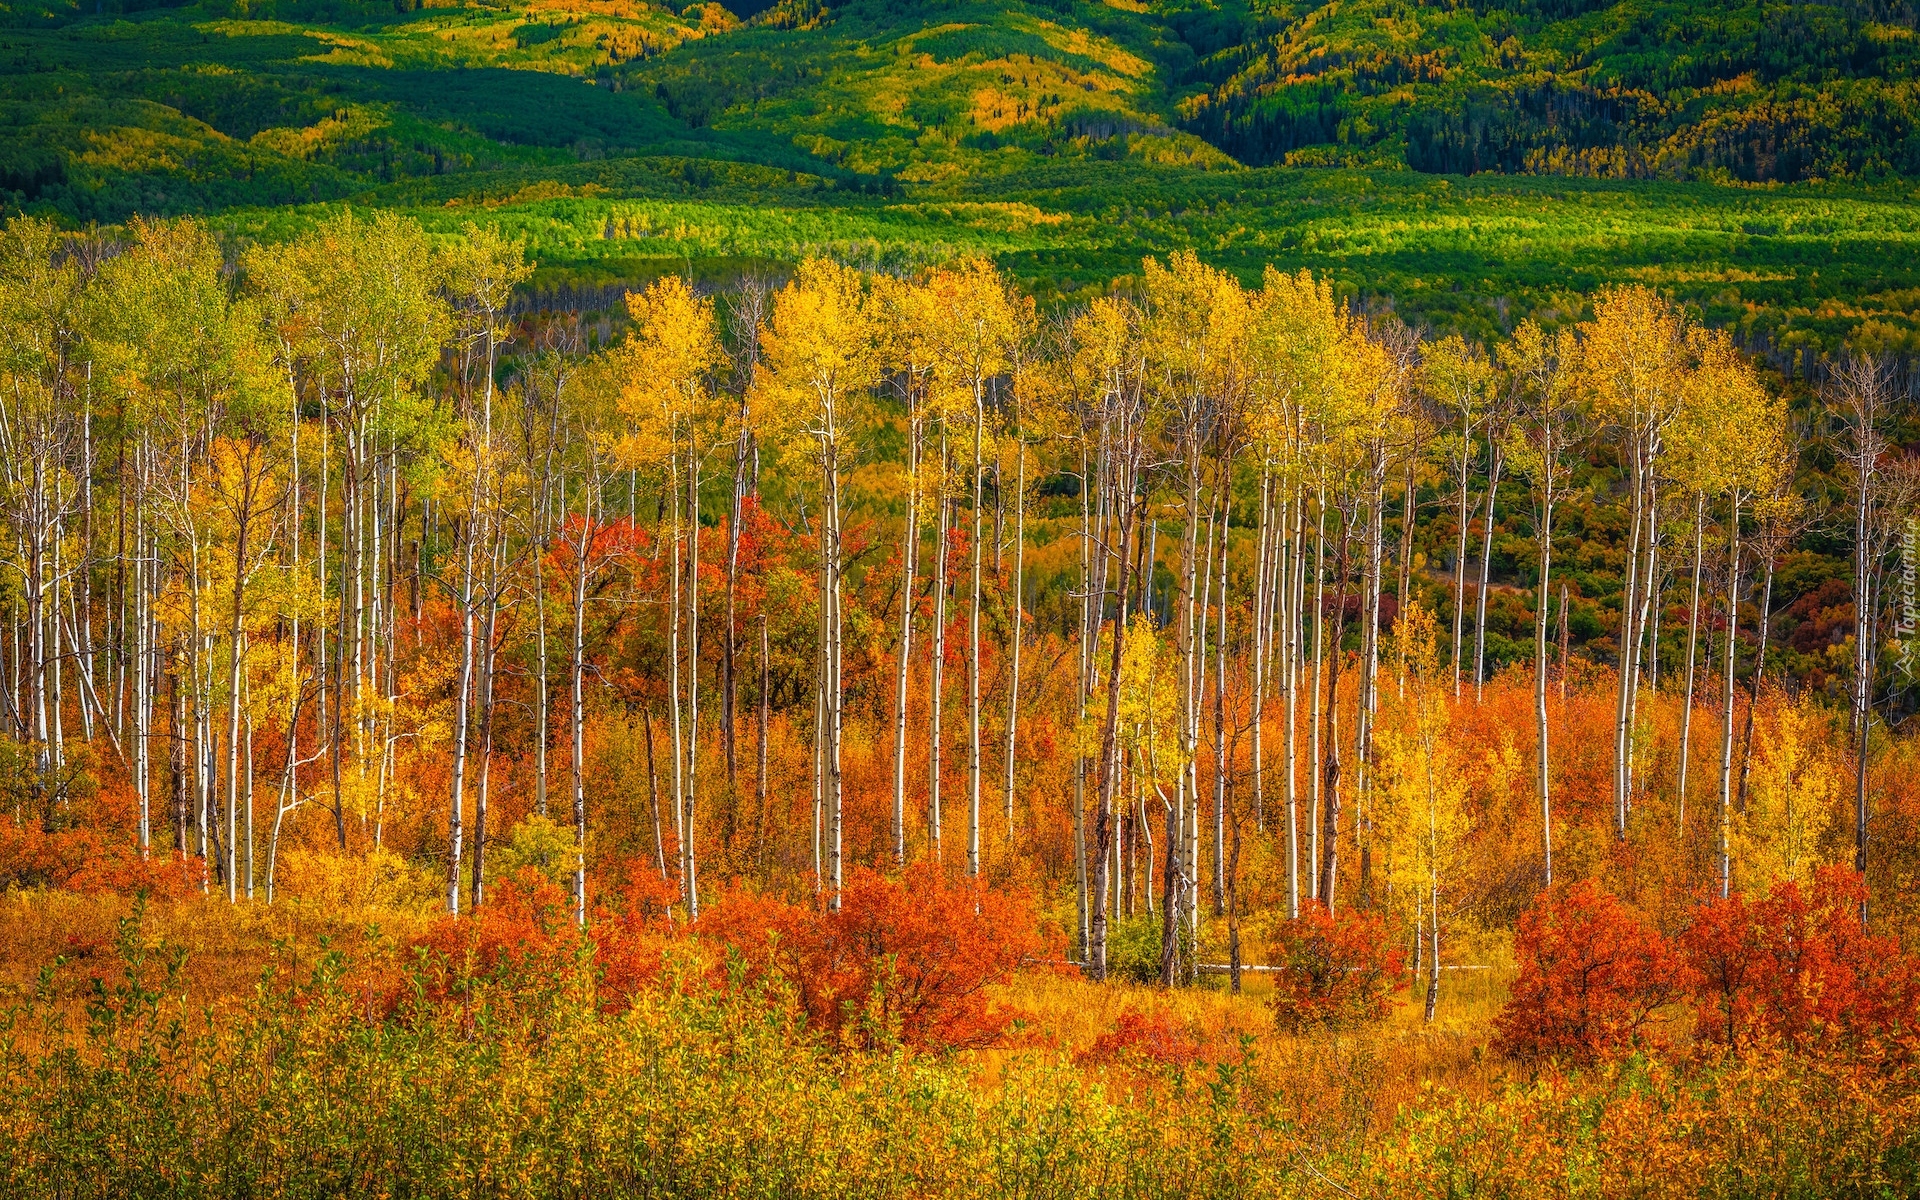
[[892, 654]]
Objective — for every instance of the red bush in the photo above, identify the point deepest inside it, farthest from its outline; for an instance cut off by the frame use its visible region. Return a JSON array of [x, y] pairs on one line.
[[1151, 1039], [904, 960], [629, 943], [1591, 978], [1338, 970], [519, 943], [1799, 966], [90, 845]]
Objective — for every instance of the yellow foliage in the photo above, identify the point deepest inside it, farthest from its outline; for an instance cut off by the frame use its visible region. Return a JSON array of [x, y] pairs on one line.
[[667, 364], [378, 878], [1797, 782]]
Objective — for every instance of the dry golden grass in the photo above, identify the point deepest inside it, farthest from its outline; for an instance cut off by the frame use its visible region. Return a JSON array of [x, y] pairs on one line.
[[1355, 1080], [54, 945]]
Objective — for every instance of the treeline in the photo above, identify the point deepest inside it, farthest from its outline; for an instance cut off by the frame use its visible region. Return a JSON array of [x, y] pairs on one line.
[[315, 545]]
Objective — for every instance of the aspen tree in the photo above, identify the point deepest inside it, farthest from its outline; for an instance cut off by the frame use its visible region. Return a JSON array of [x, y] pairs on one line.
[[481, 271], [201, 348], [278, 296], [39, 295], [146, 345], [1195, 325], [823, 358], [1295, 344], [1724, 382], [671, 405], [746, 313], [1460, 377], [1696, 440], [1069, 386], [1388, 362], [980, 321], [1634, 360], [1500, 421], [1781, 516], [1030, 418], [1546, 429], [1112, 333], [907, 320], [242, 479], [545, 378], [372, 324], [1862, 393], [1355, 401], [1425, 787], [598, 438]]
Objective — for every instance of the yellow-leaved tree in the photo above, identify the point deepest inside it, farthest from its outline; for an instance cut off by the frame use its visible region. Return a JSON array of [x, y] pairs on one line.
[[675, 415], [981, 325], [907, 323], [1634, 363], [1745, 455], [1548, 422], [822, 361], [1461, 378], [1296, 331], [1424, 788], [1796, 784]]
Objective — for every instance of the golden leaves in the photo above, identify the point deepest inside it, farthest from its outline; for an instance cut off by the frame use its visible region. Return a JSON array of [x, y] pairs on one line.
[[822, 349], [666, 370]]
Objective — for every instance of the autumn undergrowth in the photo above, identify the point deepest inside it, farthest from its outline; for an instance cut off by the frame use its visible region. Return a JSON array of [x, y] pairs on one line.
[[183, 1048]]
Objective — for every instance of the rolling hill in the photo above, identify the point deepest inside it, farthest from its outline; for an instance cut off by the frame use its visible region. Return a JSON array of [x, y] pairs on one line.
[[1754, 158]]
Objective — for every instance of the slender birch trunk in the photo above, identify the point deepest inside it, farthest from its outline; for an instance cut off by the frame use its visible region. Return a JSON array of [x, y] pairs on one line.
[[1726, 721], [973, 642], [1486, 579], [1019, 627], [936, 684], [1693, 635], [909, 555]]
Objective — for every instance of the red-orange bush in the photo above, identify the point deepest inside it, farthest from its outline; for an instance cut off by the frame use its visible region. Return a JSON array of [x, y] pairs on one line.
[[89, 845], [1150, 1038], [1592, 976], [904, 959], [520, 943], [1800, 966], [629, 944], [1337, 970]]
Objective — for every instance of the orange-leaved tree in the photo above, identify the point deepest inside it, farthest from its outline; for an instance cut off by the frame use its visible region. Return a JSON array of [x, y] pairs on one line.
[[1337, 970], [1592, 977]]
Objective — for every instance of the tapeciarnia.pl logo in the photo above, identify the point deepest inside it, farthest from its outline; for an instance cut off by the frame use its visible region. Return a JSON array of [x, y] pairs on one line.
[[1907, 616]]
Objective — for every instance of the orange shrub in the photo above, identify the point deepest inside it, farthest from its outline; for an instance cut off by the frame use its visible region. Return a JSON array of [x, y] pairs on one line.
[[522, 943], [1592, 975], [1799, 966], [904, 959], [87, 845], [629, 945], [1337, 970], [1144, 1039]]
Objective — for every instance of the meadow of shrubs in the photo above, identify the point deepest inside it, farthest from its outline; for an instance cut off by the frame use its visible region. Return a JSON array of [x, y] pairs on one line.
[[922, 1041]]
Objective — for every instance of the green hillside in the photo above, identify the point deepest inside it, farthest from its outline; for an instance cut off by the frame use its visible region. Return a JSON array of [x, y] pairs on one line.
[[1738, 90], [1064, 138]]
